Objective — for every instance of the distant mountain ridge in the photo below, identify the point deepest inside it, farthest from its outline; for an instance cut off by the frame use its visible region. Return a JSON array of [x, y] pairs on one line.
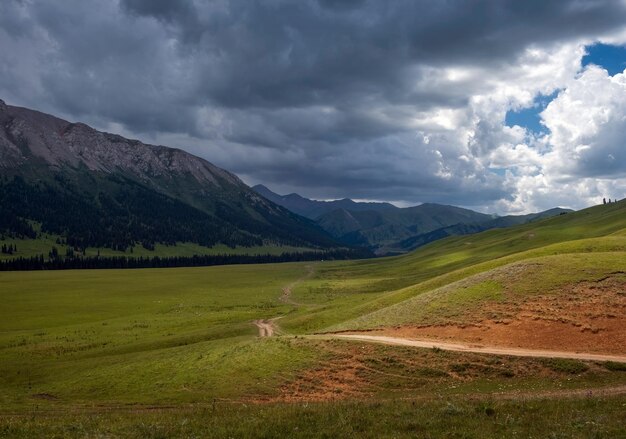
[[388, 229], [313, 209], [101, 189], [382, 229]]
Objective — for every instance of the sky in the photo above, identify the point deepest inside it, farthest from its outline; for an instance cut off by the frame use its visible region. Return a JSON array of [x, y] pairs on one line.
[[503, 106]]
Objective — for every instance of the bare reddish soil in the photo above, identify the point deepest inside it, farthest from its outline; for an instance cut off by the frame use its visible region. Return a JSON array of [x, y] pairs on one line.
[[338, 378], [589, 317], [356, 370]]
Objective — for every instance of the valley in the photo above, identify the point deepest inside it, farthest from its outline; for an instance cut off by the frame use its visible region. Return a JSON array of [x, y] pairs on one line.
[[494, 322], [354, 219]]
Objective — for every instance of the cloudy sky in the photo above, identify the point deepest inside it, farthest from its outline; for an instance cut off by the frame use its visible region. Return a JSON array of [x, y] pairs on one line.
[[502, 106]]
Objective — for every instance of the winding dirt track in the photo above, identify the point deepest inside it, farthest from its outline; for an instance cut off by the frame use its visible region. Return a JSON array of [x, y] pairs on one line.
[[459, 347], [268, 327], [286, 296]]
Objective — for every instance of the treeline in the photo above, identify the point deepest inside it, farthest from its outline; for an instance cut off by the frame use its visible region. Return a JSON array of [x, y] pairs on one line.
[[99, 262], [9, 249]]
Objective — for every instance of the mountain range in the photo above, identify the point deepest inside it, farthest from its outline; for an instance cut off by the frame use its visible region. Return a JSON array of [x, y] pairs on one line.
[[97, 189], [388, 229], [313, 209]]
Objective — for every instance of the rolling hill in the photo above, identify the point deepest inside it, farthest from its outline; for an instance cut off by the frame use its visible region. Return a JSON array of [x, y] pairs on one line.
[[95, 189], [394, 287]]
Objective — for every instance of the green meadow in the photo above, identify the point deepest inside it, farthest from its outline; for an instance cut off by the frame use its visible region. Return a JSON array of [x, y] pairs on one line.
[[174, 352], [78, 334], [590, 418]]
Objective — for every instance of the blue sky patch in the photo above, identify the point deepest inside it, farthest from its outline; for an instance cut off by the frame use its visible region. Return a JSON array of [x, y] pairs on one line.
[[498, 171], [611, 58], [529, 117]]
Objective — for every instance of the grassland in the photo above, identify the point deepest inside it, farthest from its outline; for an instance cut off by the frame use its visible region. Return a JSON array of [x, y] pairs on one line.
[[590, 418], [173, 352], [78, 334]]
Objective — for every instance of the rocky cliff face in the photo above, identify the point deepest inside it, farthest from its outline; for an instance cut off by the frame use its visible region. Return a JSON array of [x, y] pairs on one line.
[[31, 137]]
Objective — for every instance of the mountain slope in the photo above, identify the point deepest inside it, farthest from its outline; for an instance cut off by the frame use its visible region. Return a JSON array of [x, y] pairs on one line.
[[382, 228], [405, 229], [100, 189]]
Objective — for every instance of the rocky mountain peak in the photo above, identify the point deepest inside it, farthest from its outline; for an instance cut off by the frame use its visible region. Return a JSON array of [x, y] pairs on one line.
[[31, 136]]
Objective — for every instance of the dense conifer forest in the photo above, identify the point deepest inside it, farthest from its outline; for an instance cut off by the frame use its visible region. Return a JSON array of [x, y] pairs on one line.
[[128, 213], [71, 262]]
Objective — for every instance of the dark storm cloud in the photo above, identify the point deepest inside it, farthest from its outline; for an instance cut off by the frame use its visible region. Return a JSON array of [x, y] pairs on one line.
[[324, 91], [341, 4], [277, 54], [182, 14], [167, 10]]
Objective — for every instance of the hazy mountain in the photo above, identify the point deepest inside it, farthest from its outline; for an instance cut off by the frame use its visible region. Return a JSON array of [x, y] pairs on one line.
[[383, 228], [389, 229], [313, 209], [100, 189]]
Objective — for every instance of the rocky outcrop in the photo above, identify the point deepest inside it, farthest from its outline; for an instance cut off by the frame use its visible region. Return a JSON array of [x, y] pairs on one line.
[[31, 136]]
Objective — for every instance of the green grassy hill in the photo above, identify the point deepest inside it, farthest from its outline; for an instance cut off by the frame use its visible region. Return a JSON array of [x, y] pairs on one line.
[[353, 289]]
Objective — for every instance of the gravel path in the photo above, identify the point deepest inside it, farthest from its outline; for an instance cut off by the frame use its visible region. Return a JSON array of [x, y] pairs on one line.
[[460, 347]]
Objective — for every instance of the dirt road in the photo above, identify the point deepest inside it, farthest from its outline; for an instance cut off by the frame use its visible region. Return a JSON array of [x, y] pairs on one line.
[[478, 348], [285, 297], [268, 327]]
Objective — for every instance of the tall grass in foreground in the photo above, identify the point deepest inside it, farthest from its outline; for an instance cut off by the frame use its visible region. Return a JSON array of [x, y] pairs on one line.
[[574, 418]]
